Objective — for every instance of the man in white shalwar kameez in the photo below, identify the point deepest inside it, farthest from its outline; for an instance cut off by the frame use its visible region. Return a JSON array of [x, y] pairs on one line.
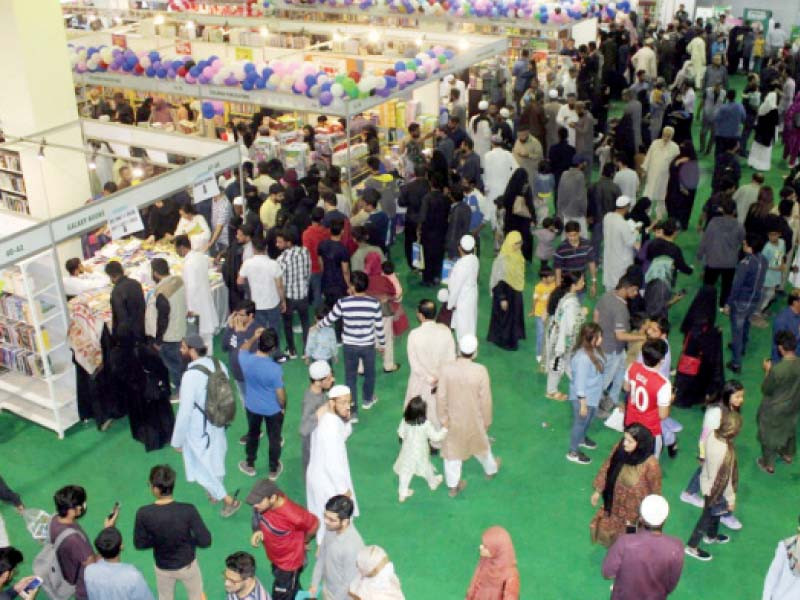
[[202, 444], [620, 241], [199, 300], [697, 54], [656, 166], [462, 289], [328, 471], [498, 165], [429, 347]]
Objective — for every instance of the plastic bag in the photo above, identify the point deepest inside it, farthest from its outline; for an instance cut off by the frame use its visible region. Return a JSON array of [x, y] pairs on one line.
[[37, 522]]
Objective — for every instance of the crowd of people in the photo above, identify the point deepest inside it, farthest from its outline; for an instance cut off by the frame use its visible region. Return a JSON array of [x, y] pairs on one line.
[[523, 166]]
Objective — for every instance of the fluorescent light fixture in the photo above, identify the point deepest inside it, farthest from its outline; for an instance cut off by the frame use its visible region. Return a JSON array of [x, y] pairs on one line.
[[40, 156], [92, 162]]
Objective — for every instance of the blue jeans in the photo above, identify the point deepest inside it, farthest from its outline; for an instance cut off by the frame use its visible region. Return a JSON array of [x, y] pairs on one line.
[[170, 353], [539, 322], [740, 329], [580, 425], [352, 354], [614, 374], [315, 290], [720, 507], [270, 317]]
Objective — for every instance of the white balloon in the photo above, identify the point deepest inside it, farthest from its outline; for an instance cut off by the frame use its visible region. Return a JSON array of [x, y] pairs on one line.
[[144, 61], [337, 90]]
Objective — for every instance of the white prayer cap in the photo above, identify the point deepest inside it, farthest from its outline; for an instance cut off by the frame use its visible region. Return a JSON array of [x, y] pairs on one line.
[[338, 391], [623, 201], [654, 510], [505, 113], [467, 243], [468, 344], [449, 78], [553, 94], [319, 369], [443, 295], [483, 105], [238, 201]]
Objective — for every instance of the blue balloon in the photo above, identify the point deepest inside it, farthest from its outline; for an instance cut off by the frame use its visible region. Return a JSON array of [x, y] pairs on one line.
[[151, 72], [131, 62], [247, 85], [449, 54], [267, 73], [418, 61], [177, 64], [212, 58], [431, 53], [399, 66], [208, 110], [249, 68], [195, 71], [310, 80], [154, 55], [391, 82], [161, 73], [325, 87], [261, 83]]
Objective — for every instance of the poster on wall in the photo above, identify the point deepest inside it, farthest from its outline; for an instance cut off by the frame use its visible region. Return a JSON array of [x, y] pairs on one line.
[[119, 40], [183, 47], [123, 221], [759, 15], [243, 53]]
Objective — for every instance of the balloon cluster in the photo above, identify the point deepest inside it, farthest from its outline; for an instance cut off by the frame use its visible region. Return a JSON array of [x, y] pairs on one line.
[[212, 108], [561, 12], [300, 78]]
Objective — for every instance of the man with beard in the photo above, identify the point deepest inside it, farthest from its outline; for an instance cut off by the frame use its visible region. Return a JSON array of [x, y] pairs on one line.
[[336, 560], [328, 471], [321, 380]]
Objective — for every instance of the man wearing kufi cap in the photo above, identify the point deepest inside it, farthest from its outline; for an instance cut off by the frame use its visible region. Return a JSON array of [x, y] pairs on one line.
[[620, 241], [498, 165], [645, 564], [462, 288], [551, 109], [464, 405], [328, 471], [321, 380]]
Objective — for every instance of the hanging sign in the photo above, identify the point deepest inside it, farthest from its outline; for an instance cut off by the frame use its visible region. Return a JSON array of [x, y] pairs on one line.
[[760, 15], [124, 221], [183, 47], [243, 53], [205, 187], [119, 40]]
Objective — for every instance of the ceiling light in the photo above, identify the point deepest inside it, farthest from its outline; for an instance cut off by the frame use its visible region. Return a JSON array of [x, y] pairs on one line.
[[159, 20], [137, 172], [463, 45], [418, 41], [189, 24], [41, 150], [92, 162], [373, 36], [264, 32]]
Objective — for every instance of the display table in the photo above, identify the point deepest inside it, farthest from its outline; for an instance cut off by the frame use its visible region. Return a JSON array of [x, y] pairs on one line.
[[90, 312]]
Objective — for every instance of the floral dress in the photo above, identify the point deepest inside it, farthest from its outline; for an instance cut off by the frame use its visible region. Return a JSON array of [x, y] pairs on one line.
[[415, 453]]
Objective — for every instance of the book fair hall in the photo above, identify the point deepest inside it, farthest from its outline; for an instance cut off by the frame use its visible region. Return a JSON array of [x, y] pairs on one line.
[[399, 299]]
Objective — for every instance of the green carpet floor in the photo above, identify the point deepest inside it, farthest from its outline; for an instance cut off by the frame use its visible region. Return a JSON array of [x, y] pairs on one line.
[[542, 499]]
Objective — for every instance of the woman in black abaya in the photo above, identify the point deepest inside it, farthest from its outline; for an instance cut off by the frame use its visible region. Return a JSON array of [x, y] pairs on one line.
[[518, 195]]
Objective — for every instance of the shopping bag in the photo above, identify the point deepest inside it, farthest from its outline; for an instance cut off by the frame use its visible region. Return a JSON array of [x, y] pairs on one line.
[[417, 256], [447, 266], [616, 420]]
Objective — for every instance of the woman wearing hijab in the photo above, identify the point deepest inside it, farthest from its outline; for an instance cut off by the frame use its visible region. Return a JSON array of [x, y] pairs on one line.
[[376, 579], [382, 289], [679, 118], [699, 371], [562, 328], [520, 213], [682, 186], [791, 132], [759, 216], [719, 479], [627, 476], [507, 325], [783, 577], [760, 157], [496, 577], [161, 113]]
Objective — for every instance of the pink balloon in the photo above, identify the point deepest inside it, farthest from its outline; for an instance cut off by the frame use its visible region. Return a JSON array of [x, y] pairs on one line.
[[301, 86], [208, 72]]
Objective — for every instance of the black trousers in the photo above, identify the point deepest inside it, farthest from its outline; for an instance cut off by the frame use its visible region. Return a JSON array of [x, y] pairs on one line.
[[301, 308], [434, 255], [710, 276], [274, 427], [409, 237], [286, 583], [707, 524]]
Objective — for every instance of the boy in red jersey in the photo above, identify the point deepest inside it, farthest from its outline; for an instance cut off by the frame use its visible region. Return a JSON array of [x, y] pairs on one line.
[[649, 392]]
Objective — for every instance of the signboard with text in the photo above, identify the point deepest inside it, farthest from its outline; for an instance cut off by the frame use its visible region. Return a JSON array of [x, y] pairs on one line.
[[124, 221], [243, 53], [758, 15], [205, 187], [183, 47], [119, 40]]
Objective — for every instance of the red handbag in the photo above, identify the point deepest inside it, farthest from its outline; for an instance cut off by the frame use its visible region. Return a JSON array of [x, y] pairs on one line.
[[688, 365]]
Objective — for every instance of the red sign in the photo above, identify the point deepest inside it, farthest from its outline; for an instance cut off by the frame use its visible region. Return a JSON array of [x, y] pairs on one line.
[[183, 47], [119, 40]]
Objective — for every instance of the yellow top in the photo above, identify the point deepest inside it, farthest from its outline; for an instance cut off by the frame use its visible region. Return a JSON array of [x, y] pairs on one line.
[[758, 46], [541, 294], [269, 212]]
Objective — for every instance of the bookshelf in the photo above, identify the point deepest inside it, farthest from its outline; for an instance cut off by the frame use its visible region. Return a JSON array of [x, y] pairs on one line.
[[13, 195], [37, 377]]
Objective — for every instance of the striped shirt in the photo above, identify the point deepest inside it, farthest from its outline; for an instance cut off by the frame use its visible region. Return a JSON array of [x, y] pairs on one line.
[[257, 593], [362, 320], [295, 264], [570, 258]]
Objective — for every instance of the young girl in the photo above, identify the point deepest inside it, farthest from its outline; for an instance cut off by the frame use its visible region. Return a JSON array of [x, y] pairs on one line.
[[585, 389], [416, 433], [730, 399], [543, 187], [546, 238], [565, 317], [321, 343], [541, 294]]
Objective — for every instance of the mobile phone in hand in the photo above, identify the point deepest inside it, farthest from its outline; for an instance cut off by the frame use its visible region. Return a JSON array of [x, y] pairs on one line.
[[34, 584], [114, 510]]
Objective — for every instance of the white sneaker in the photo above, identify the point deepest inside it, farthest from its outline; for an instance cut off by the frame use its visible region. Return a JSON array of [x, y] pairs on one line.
[[692, 499], [437, 482], [404, 497], [731, 522], [539, 358]]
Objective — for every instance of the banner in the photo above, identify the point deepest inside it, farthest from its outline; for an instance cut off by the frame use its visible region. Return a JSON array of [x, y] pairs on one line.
[[243, 53], [759, 15]]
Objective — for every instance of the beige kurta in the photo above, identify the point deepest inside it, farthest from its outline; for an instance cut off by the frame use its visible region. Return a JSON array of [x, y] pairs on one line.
[[656, 164], [429, 346], [464, 403], [529, 154]]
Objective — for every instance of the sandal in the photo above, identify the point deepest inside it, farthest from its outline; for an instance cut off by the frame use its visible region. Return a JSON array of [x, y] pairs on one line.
[[557, 396], [787, 459], [396, 367], [763, 467]]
